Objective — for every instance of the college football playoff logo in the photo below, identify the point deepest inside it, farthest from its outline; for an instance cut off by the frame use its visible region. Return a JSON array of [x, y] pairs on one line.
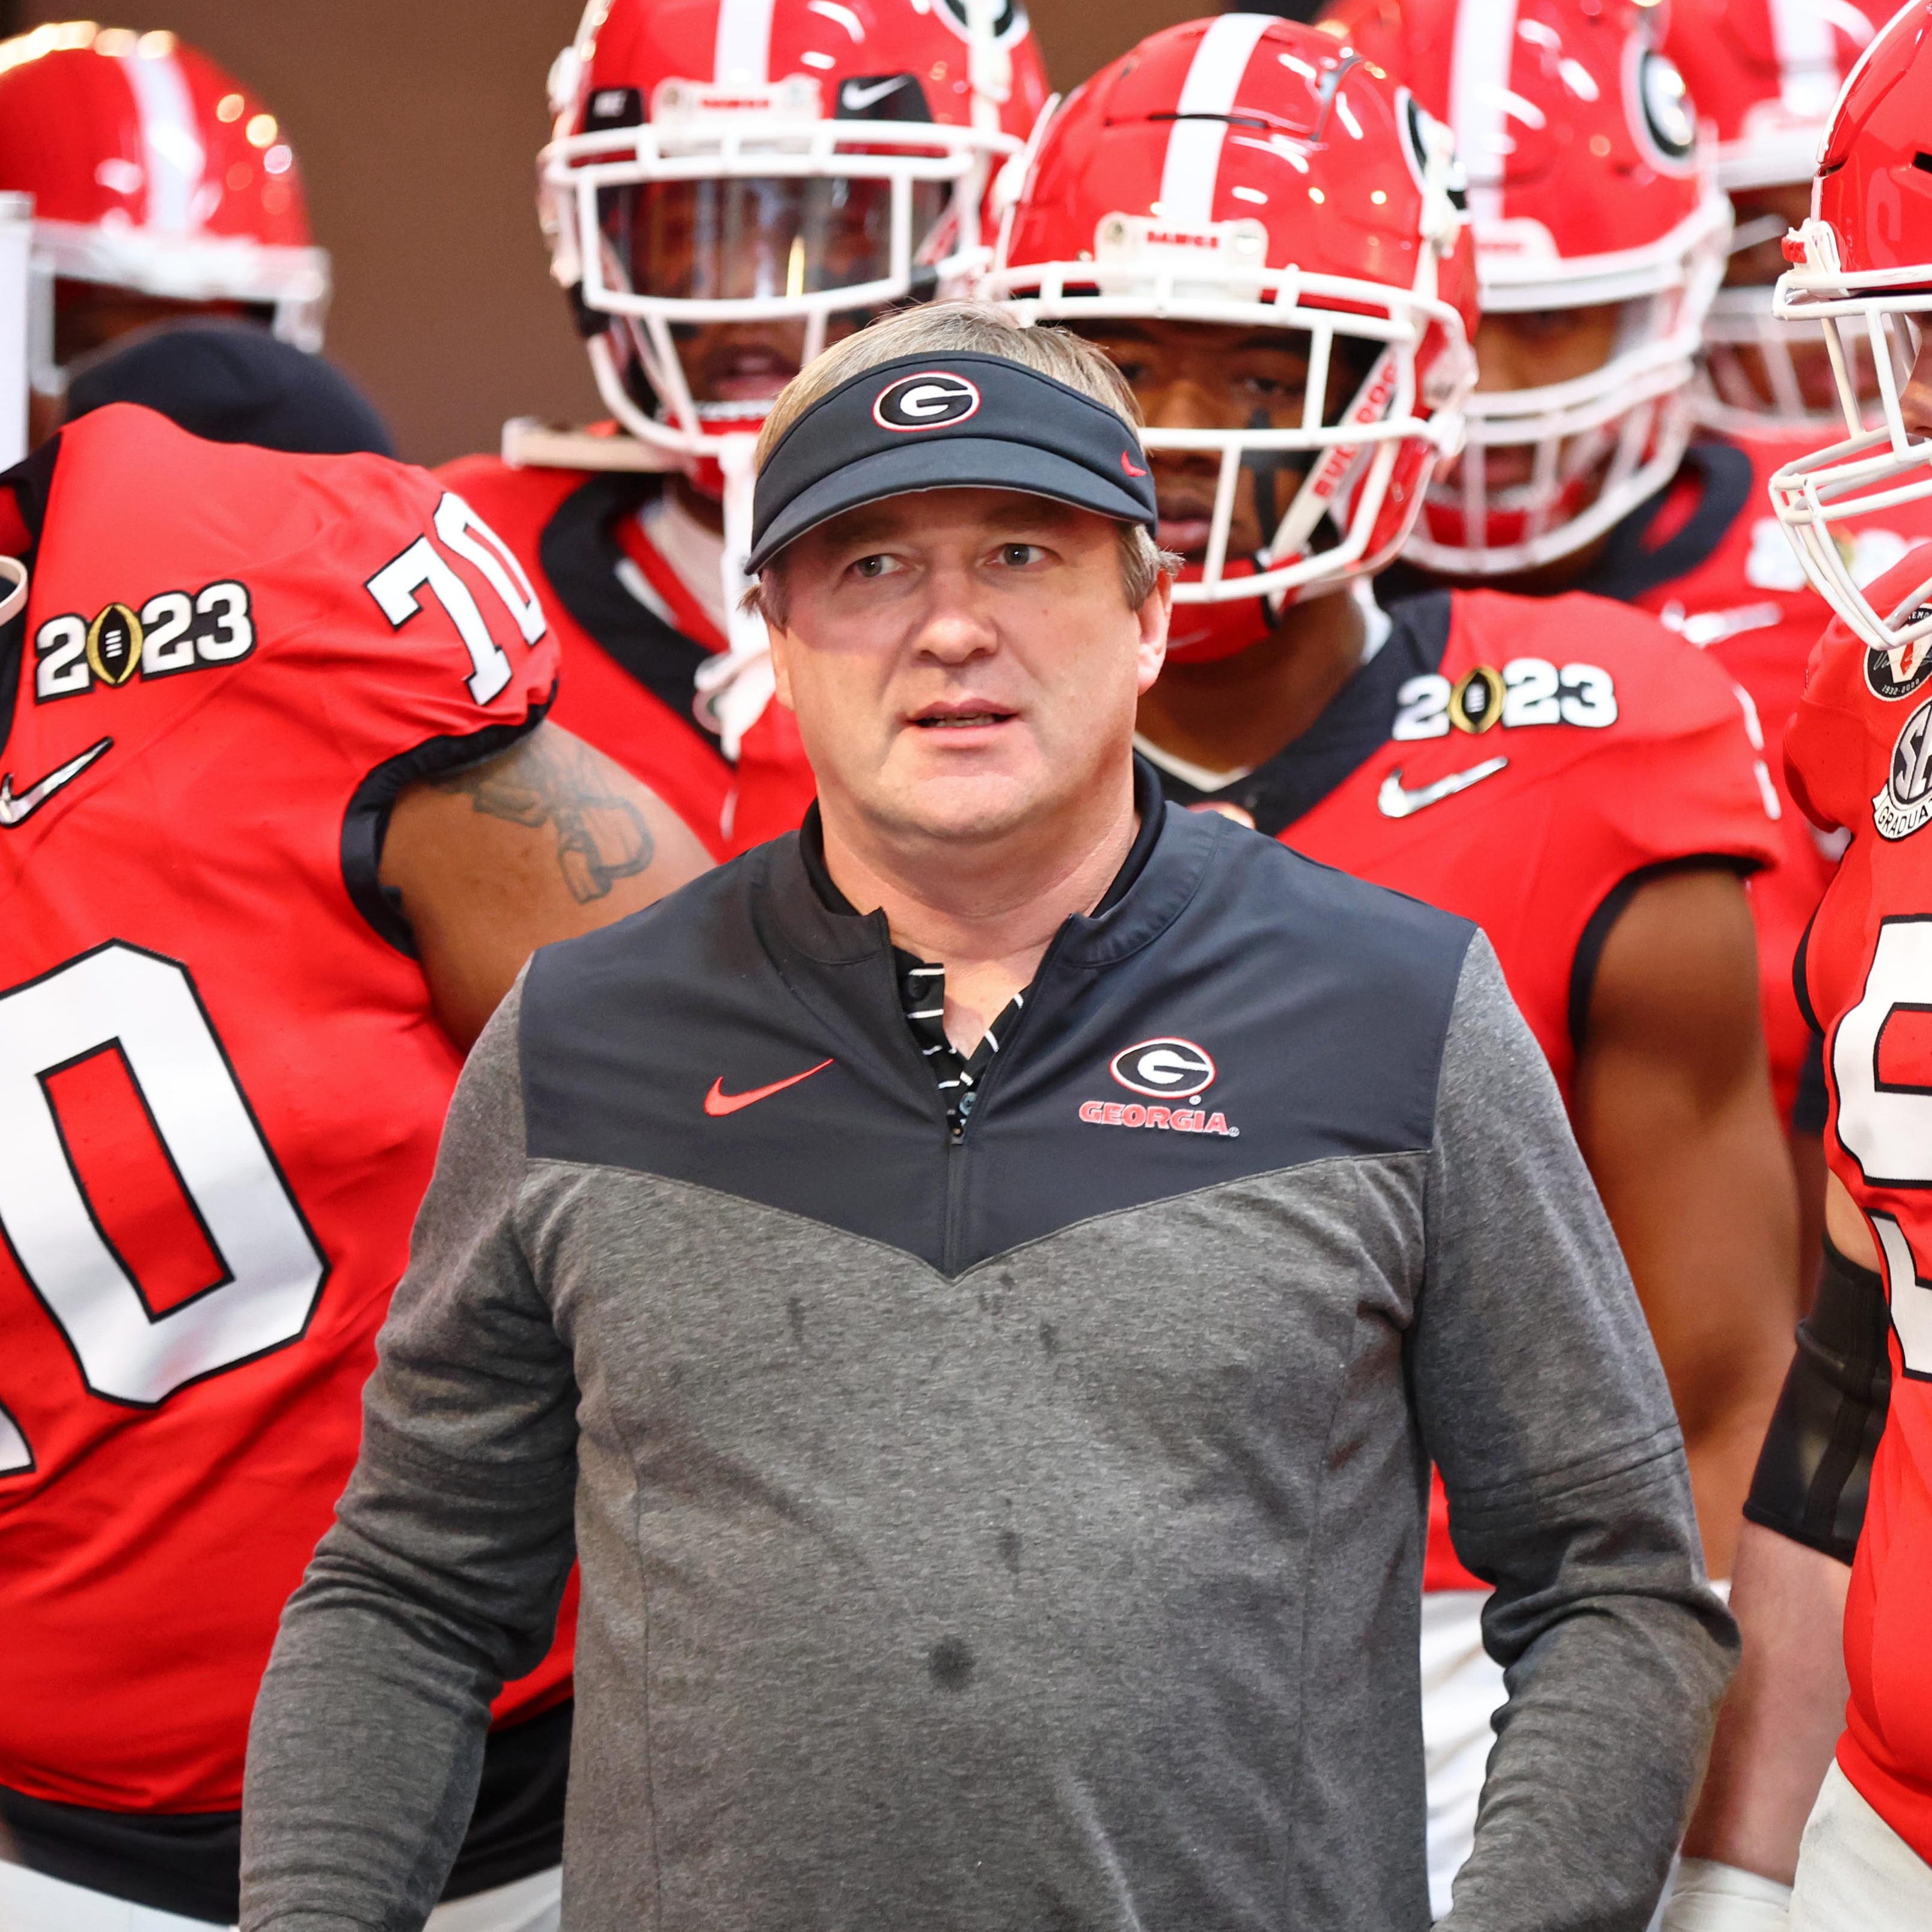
[[1164, 1068], [930, 400]]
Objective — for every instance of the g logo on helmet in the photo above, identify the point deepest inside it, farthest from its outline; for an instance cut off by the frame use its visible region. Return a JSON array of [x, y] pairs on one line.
[[1665, 117], [1163, 1068], [930, 400]]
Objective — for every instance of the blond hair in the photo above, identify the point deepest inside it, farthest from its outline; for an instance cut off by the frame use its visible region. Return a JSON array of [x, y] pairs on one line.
[[963, 329]]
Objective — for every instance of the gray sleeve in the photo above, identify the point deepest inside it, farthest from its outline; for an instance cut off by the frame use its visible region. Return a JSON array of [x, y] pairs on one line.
[[442, 1575], [1542, 1401]]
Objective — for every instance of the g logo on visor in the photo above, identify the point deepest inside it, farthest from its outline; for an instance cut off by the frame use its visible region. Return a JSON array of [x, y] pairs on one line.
[[928, 400], [1163, 1067]]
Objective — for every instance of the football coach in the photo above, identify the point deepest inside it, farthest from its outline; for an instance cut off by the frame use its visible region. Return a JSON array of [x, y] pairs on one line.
[[978, 1286]]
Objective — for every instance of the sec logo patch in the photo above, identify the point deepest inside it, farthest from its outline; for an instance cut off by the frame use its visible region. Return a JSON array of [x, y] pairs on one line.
[[1906, 803], [930, 400]]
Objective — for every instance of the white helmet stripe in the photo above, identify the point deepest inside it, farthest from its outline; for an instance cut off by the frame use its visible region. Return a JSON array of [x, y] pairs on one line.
[[171, 149], [1194, 147], [1479, 94], [1806, 59], [744, 55]]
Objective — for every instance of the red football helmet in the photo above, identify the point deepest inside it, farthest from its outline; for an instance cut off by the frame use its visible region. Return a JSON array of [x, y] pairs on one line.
[[767, 162], [152, 170], [1245, 171], [1863, 267], [1585, 191], [1764, 74]]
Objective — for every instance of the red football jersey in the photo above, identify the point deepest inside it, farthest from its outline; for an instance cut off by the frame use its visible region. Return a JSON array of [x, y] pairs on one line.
[[1519, 761], [633, 635], [225, 1080], [1717, 567], [1860, 754]]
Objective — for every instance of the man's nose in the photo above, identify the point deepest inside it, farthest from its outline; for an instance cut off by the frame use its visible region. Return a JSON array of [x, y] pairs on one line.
[[956, 627], [1914, 403]]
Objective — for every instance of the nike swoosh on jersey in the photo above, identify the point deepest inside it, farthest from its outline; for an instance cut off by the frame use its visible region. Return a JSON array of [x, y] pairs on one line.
[[719, 1103], [857, 97], [1396, 801], [14, 810]]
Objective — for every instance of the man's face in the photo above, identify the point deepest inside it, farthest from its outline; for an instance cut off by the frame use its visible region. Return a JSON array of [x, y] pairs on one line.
[[1758, 266], [1531, 349], [730, 239], [963, 663], [1222, 376], [1915, 399]]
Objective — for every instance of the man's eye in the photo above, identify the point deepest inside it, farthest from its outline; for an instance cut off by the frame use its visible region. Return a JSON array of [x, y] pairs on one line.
[[869, 567], [1017, 555]]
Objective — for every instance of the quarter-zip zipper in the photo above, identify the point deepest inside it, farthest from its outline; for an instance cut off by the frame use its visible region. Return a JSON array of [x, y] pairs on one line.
[[957, 1149]]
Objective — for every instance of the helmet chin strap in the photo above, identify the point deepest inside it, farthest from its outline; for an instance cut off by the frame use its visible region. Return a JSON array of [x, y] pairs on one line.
[[13, 600], [1200, 633], [735, 687]]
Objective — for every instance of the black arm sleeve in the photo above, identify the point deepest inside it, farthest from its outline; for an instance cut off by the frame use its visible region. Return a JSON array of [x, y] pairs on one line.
[[1815, 1468]]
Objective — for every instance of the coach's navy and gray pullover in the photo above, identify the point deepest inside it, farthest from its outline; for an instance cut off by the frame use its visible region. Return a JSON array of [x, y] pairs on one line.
[[1019, 1530]]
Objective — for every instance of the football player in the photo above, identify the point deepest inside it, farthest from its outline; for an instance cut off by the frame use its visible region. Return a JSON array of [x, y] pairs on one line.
[[280, 820], [731, 184], [1839, 1535], [162, 188], [1261, 229], [1600, 245], [1763, 75]]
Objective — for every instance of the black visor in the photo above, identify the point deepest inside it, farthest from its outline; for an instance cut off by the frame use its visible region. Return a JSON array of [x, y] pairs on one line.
[[948, 422]]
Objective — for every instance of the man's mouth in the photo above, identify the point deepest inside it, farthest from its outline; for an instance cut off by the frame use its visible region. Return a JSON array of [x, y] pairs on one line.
[[1185, 524], [968, 714], [753, 372]]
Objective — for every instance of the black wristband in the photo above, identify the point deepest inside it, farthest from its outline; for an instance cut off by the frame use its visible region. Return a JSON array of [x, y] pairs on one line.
[[1814, 1471]]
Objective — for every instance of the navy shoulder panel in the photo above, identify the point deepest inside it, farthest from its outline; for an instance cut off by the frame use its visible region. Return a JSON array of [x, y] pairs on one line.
[[1241, 1010]]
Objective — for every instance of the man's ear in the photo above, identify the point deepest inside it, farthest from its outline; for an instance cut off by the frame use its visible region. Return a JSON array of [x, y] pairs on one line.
[[780, 642], [1151, 653]]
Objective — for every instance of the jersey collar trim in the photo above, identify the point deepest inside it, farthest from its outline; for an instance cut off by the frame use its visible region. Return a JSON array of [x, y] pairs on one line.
[[580, 554], [1627, 569], [1354, 728], [30, 483]]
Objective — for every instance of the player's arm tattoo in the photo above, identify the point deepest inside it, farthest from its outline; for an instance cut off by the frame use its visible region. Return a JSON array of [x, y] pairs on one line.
[[550, 779]]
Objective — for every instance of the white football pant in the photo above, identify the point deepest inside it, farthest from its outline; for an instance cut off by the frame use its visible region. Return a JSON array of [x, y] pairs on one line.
[[30, 1901], [1462, 1690], [1855, 1872]]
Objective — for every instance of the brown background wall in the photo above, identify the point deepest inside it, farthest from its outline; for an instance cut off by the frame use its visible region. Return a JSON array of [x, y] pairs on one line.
[[416, 122]]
